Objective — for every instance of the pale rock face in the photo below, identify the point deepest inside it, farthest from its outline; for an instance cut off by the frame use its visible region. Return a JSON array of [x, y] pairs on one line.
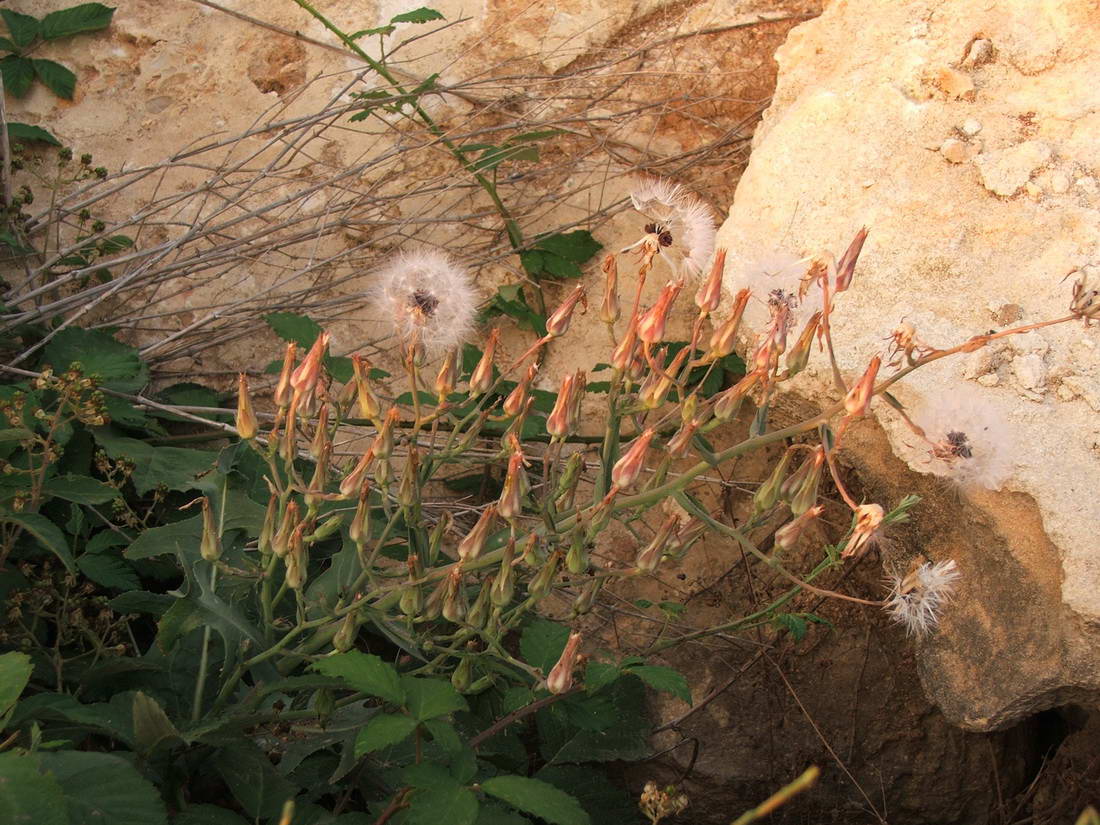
[[963, 134]]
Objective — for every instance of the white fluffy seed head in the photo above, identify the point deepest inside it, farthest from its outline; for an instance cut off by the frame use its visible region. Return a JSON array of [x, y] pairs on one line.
[[917, 599], [688, 220], [427, 297], [968, 442]]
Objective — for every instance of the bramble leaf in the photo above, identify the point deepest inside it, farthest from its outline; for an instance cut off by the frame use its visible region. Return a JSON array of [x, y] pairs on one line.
[[420, 15], [536, 797], [86, 17], [383, 730], [23, 28], [364, 672], [18, 74], [58, 79]]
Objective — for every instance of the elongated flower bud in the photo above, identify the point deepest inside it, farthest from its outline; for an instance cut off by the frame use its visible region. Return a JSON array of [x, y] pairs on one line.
[[412, 598], [408, 490], [650, 557], [516, 401], [454, 597], [482, 606], [463, 675], [296, 560], [447, 376], [576, 558], [530, 555], [246, 418], [210, 546], [356, 480], [800, 490], [504, 583], [366, 400], [280, 543], [651, 326], [344, 639], [799, 355], [623, 355], [788, 535], [482, 377], [558, 322], [561, 675], [680, 444], [321, 439], [767, 494], [359, 529], [560, 418], [729, 402], [609, 309], [629, 467], [587, 597], [471, 546], [723, 339], [383, 441], [846, 267], [304, 378], [267, 531], [435, 539], [709, 295], [315, 493], [543, 581], [282, 387], [664, 382], [859, 396], [570, 476], [515, 487]]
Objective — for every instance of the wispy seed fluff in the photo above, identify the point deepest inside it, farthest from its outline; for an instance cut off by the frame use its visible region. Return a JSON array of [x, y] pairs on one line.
[[427, 297], [917, 599], [678, 221]]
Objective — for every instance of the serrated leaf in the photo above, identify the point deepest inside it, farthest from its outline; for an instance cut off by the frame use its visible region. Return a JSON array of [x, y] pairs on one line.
[[602, 799], [253, 780], [536, 797], [177, 468], [116, 364], [8, 46], [291, 326], [15, 672], [23, 27], [140, 601], [598, 675], [364, 672], [109, 571], [26, 132], [102, 788], [26, 796], [664, 679], [18, 74], [542, 643], [15, 435], [431, 698], [576, 246], [556, 266], [446, 801], [151, 724], [79, 489], [47, 534], [382, 30], [86, 17], [57, 78], [532, 262], [561, 742], [208, 815], [382, 731], [420, 15], [793, 624]]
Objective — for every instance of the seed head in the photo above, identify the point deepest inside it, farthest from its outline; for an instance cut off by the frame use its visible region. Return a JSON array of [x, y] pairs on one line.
[[678, 221], [428, 298], [917, 599]]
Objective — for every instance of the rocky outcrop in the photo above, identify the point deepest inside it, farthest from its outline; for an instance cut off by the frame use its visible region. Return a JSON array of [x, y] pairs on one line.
[[963, 134]]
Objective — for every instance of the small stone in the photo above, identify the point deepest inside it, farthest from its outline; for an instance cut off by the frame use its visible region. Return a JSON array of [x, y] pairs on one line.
[[954, 150], [1029, 342], [953, 83], [981, 51], [1082, 387], [1006, 314], [1030, 371], [979, 363], [1033, 190], [1059, 182], [971, 127], [1005, 171], [990, 379]]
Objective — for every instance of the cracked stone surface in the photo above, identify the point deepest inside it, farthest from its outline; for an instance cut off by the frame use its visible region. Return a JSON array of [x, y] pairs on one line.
[[963, 240]]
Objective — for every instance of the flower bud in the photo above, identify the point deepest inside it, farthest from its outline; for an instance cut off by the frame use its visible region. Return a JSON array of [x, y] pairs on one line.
[[515, 487], [280, 542], [587, 597], [799, 355], [383, 441], [367, 401], [454, 597], [471, 546], [767, 494], [788, 535], [722, 340], [355, 481], [516, 401], [462, 677], [482, 606], [623, 355], [408, 491], [664, 382], [321, 439], [649, 558], [329, 527], [868, 519], [296, 560], [504, 583], [344, 639], [629, 467], [267, 531], [846, 268], [359, 529], [651, 326], [543, 581], [576, 558], [710, 291], [609, 309], [482, 377], [412, 598], [530, 555], [246, 418], [210, 546], [304, 378], [570, 476], [558, 322], [561, 675], [315, 492], [447, 376], [729, 402], [282, 387], [680, 444], [558, 423], [800, 490], [435, 539], [859, 396]]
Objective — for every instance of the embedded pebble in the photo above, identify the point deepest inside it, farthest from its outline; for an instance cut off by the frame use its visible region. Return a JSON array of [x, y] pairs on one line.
[[981, 51], [1059, 182], [971, 127], [1030, 371], [1088, 185], [979, 363], [1005, 171], [1081, 387], [954, 150]]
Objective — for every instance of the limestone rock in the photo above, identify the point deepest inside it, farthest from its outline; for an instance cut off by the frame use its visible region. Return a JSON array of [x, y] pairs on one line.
[[949, 246]]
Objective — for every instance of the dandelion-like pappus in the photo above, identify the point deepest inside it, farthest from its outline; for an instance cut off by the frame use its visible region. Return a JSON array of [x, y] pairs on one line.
[[679, 222], [917, 598]]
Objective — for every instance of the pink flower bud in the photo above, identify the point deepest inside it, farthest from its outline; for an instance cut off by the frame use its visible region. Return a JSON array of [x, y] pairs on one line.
[[846, 268], [515, 486], [445, 379], [629, 467], [282, 388], [482, 377], [470, 547], [558, 322], [710, 291], [563, 418], [680, 444], [246, 418], [650, 558], [859, 396], [304, 378], [516, 401], [723, 339], [609, 309], [729, 402], [799, 356], [788, 535], [355, 481], [364, 395], [651, 327], [561, 675], [623, 355]]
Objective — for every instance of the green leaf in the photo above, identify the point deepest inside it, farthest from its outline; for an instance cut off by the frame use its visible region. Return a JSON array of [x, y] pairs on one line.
[[793, 624], [151, 724], [542, 643], [109, 571], [8, 46], [79, 489], [18, 74], [56, 77], [429, 698], [445, 801], [628, 740], [364, 672], [383, 730], [208, 815], [576, 246], [253, 780], [139, 601], [168, 538], [115, 243], [536, 797], [118, 365], [420, 15], [87, 17], [102, 788], [539, 134], [15, 435], [23, 27], [603, 799], [341, 369], [557, 267], [176, 468], [493, 813], [293, 327], [47, 533], [26, 796], [382, 30], [493, 157], [598, 675], [25, 132], [664, 679], [15, 672], [532, 261]]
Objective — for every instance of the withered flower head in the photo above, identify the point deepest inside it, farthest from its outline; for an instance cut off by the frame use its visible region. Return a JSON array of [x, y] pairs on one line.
[[678, 221], [428, 298], [916, 599]]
